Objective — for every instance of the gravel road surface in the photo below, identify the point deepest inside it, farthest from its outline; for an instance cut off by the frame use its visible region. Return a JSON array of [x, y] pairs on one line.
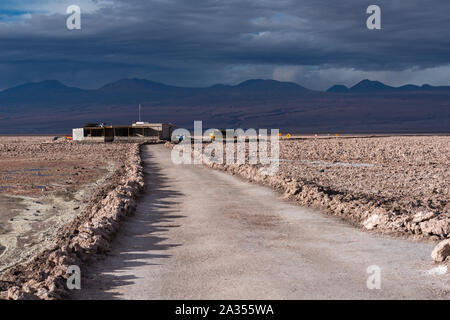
[[204, 234]]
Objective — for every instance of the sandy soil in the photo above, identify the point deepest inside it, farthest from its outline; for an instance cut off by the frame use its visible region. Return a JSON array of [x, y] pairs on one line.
[[43, 186]]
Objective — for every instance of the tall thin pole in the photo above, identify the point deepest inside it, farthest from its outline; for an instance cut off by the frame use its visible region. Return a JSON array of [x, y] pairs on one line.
[[139, 112]]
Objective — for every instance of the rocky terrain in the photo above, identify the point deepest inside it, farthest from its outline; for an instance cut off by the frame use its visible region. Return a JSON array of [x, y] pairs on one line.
[[392, 185], [84, 191], [399, 184]]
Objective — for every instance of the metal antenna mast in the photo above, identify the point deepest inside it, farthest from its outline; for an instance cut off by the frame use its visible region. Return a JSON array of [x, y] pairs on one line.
[[139, 112]]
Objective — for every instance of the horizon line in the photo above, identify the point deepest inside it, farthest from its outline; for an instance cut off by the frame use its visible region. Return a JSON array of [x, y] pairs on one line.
[[227, 85]]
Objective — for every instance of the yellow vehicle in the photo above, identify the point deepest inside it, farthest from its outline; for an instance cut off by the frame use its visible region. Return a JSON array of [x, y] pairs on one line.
[[219, 134]]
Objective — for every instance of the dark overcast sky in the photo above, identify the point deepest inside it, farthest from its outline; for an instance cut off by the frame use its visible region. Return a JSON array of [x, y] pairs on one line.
[[315, 43]]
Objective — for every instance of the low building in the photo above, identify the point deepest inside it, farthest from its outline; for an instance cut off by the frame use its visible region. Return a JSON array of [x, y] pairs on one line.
[[137, 132]]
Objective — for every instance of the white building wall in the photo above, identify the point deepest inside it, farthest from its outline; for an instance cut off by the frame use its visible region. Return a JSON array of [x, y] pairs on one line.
[[78, 134]]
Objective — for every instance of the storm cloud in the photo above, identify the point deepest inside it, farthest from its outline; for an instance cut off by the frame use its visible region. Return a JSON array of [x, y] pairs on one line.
[[315, 43]]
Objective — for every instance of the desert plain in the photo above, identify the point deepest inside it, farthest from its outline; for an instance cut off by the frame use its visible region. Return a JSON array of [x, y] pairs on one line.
[[61, 201], [399, 184], [44, 184]]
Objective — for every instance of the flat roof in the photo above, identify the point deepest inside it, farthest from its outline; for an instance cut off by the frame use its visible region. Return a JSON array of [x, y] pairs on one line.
[[146, 125]]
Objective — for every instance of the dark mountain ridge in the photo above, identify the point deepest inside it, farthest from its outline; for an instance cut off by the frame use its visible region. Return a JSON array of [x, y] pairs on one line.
[[368, 86], [134, 90], [368, 106]]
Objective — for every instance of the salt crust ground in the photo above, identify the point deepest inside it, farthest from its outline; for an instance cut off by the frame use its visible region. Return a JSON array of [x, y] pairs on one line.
[[110, 177]]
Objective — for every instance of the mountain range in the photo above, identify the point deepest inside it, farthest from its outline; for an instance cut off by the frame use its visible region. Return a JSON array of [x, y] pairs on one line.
[[369, 106], [368, 86]]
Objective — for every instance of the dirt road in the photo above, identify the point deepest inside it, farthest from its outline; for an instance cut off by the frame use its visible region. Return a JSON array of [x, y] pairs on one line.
[[203, 234]]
